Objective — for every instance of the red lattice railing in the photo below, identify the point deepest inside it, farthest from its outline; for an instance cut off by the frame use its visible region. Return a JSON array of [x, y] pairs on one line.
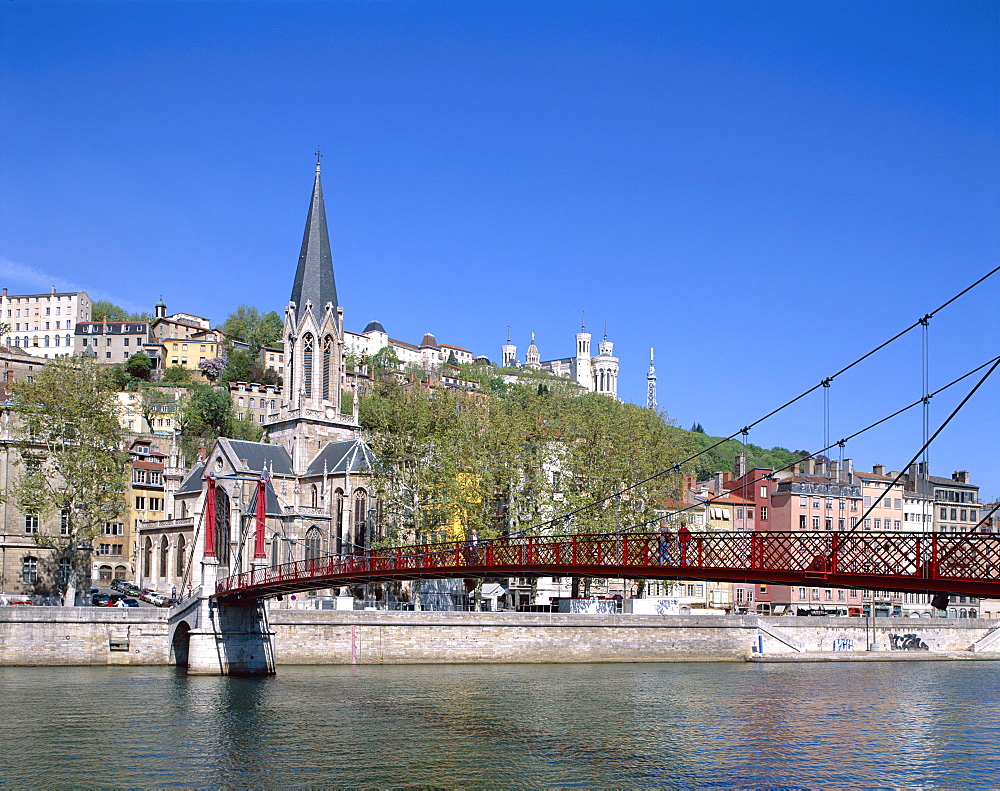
[[893, 561]]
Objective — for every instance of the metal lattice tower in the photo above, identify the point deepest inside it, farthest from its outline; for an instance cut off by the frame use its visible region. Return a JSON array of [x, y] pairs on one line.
[[651, 384]]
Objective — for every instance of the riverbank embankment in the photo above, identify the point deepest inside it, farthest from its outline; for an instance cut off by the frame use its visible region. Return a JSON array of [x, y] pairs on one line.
[[38, 636]]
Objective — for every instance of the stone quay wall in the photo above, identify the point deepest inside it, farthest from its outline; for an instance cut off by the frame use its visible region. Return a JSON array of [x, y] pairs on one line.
[[37, 636], [84, 636], [313, 637]]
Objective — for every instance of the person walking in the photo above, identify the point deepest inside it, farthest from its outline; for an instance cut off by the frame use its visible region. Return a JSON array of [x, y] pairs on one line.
[[685, 538], [663, 546]]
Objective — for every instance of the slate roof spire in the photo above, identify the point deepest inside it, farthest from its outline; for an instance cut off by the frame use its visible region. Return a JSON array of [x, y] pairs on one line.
[[314, 281]]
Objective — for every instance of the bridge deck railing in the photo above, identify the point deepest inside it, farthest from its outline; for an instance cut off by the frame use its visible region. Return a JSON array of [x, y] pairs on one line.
[[927, 556]]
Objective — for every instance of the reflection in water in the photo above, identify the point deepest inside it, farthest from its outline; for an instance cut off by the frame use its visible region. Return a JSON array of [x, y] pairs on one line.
[[670, 725]]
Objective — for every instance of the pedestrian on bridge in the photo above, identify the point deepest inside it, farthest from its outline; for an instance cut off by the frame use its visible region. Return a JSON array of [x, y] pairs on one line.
[[663, 546], [685, 538]]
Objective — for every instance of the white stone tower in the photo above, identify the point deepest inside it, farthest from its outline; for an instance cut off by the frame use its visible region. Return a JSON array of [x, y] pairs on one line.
[[584, 370], [509, 352], [604, 368], [532, 359]]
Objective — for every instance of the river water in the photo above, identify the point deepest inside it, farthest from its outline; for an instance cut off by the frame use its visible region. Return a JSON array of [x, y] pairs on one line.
[[859, 725]]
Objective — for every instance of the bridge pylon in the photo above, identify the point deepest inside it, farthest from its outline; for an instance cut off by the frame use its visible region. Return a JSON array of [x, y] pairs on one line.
[[232, 638]]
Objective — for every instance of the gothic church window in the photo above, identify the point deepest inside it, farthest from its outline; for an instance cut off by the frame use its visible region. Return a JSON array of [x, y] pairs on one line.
[[327, 366], [307, 365]]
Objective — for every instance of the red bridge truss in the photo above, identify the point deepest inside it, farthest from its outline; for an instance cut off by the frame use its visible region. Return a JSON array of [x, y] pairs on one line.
[[933, 562]]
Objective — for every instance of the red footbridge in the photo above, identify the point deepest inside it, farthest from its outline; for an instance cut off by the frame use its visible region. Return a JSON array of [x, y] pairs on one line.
[[920, 562]]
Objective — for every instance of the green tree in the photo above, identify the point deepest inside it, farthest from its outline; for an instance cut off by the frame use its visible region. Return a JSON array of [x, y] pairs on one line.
[[154, 403], [246, 429], [209, 412], [176, 375], [103, 310], [383, 362], [71, 458], [239, 367], [248, 325], [120, 378], [139, 366]]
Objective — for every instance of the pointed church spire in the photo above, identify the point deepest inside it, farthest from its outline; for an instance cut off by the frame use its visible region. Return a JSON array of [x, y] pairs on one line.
[[314, 281]]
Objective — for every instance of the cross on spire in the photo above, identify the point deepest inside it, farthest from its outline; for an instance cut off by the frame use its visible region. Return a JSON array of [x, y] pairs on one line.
[[318, 156]]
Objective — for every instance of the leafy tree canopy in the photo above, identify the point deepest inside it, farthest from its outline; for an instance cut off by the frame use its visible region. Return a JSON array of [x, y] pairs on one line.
[[103, 310], [247, 324], [176, 375], [139, 366], [70, 452]]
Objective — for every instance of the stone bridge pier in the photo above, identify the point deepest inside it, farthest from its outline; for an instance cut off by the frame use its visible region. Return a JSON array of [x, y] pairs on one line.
[[222, 638]]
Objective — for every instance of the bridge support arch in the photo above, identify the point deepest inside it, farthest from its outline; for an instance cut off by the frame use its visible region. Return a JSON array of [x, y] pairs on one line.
[[230, 639]]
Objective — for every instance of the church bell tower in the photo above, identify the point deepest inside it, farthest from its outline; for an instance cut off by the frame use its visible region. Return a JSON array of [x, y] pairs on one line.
[[312, 402]]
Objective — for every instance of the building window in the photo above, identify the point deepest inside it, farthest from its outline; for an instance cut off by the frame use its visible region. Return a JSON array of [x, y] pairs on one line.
[[64, 522], [114, 529], [31, 523], [815, 523], [140, 503], [29, 571], [763, 513]]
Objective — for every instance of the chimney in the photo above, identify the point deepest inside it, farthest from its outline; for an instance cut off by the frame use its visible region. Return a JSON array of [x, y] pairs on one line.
[[849, 470], [740, 468], [794, 469], [689, 480], [5, 292], [835, 470], [820, 467], [878, 469], [961, 476], [53, 289], [201, 453], [807, 466], [717, 488]]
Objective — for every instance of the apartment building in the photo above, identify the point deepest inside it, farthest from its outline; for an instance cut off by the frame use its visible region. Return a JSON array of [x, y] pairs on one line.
[[111, 341], [44, 324]]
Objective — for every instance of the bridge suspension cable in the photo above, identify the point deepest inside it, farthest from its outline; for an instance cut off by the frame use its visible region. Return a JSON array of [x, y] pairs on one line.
[[994, 362], [824, 383]]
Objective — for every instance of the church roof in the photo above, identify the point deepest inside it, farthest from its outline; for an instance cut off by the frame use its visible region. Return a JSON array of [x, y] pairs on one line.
[[374, 326], [352, 455], [193, 481], [271, 505], [259, 455], [314, 276]]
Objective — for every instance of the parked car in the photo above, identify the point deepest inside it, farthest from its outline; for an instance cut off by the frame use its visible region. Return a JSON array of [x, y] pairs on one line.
[[130, 602], [100, 599], [157, 599], [131, 589], [145, 593], [172, 602]]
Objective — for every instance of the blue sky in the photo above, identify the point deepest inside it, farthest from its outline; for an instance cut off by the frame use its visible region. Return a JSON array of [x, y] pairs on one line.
[[760, 190]]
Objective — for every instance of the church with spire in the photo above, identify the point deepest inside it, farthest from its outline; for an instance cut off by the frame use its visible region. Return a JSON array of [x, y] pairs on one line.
[[313, 458], [595, 373]]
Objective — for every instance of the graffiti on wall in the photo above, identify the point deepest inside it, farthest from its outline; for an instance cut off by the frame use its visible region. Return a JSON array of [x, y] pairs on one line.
[[843, 644], [906, 642]]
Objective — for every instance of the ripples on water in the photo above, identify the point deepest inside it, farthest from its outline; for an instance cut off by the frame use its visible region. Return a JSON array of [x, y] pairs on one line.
[[913, 724]]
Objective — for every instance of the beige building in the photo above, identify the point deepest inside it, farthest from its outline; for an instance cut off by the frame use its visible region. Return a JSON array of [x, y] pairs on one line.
[[44, 324], [111, 342]]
